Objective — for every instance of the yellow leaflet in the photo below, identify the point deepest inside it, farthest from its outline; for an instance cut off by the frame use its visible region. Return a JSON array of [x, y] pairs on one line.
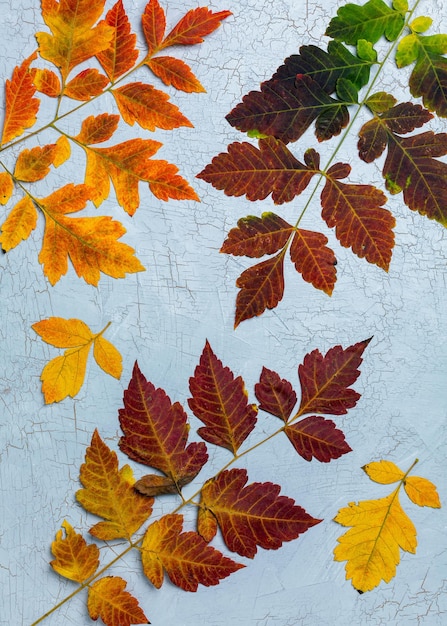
[[19, 224]]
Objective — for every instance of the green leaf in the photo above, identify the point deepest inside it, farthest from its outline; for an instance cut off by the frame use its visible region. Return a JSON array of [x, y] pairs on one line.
[[380, 102], [407, 50], [400, 5], [366, 51], [347, 91], [370, 21], [421, 24]]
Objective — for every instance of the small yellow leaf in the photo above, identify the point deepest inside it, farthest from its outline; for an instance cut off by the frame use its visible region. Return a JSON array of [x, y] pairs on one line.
[[6, 187], [19, 224], [63, 151], [422, 492], [62, 333], [384, 472], [64, 375], [107, 357], [75, 559]]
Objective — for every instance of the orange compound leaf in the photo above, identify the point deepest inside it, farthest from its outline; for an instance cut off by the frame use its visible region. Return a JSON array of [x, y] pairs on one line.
[[19, 224], [317, 437], [253, 515], [121, 54], [194, 26], [185, 556], [47, 82], [64, 375], [21, 107], [206, 524], [359, 219], [90, 242], [74, 37], [256, 236], [34, 164], [108, 600], [74, 557], [98, 128], [261, 288], [259, 172], [149, 107], [86, 85], [108, 493], [154, 25], [176, 73], [314, 260], [325, 380], [275, 394], [156, 432], [6, 187], [220, 401]]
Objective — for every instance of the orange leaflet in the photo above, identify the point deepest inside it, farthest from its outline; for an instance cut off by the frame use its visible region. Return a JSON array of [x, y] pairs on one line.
[[121, 53], [19, 224], [21, 107], [185, 556], [34, 164], [47, 82], [108, 600], [176, 73], [253, 515], [220, 401], [64, 375], [97, 128], [154, 25], [6, 187], [90, 242], [108, 492], [194, 26], [156, 432], [86, 85], [75, 558], [74, 37]]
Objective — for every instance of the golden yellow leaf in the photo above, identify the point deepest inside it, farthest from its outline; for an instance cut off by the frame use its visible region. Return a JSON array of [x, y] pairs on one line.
[[6, 187], [63, 151], [107, 357], [384, 472], [64, 375], [108, 492], [19, 224], [422, 492], [75, 559], [62, 333]]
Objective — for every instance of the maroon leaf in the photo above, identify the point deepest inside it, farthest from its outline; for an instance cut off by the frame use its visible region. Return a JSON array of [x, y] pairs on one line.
[[314, 260], [317, 437], [256, 236], [275, 394], [220, 401]]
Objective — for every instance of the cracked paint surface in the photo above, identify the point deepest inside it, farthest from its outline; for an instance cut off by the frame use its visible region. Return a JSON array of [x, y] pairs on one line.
[[163, 316]]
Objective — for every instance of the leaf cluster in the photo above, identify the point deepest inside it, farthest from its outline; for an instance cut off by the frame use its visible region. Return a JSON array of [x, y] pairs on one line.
[[326, 90]]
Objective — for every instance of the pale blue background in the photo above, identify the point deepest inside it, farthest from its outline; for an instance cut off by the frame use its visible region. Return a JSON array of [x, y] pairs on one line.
[[163, 316]]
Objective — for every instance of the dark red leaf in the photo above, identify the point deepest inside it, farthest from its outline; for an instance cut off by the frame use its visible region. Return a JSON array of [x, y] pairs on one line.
[[317, 437], [314, 260], [275, 394], [256, 236]]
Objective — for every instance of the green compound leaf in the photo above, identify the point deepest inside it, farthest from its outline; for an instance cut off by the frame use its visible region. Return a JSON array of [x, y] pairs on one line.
[[371, 21]]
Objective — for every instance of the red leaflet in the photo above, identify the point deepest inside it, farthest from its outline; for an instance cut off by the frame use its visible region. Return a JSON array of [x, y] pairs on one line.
[[186, 557], [21, 107], [156, 432], [121, 54], [154, 25], [220, 401], [86, 84], [325, 380], [256, 236], [314, 260], [275, 395], [356, 213], [317, 437], [194, 26], [253, 515], [261, 287]]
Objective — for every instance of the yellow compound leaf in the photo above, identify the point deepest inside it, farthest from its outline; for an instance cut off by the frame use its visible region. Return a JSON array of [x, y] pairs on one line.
[[422, 492], [74, 557], [6, 187], [34, 164], [384, 472], [108, 600], [64, 375], [108, 493], [19, 224]]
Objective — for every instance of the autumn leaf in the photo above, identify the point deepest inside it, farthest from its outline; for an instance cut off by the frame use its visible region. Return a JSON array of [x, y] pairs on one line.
[[97, 128], [325, 380], [64, 375], [219, 400], [361, 223], [85, 85], [313, 259], [6, 187], [410, 165], [19, 224], [34, 164], [108, 600], [47, 82], [380, 528], [108, 493], [275, 394], [74, 557], [91, 243], [154, 24], [175, 72], [156, 432], [185, 556], [371, 21], [21, 106], [74, 37], [121, 54], [253, 515], [256, 236], [317, 437], [194, 26]]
